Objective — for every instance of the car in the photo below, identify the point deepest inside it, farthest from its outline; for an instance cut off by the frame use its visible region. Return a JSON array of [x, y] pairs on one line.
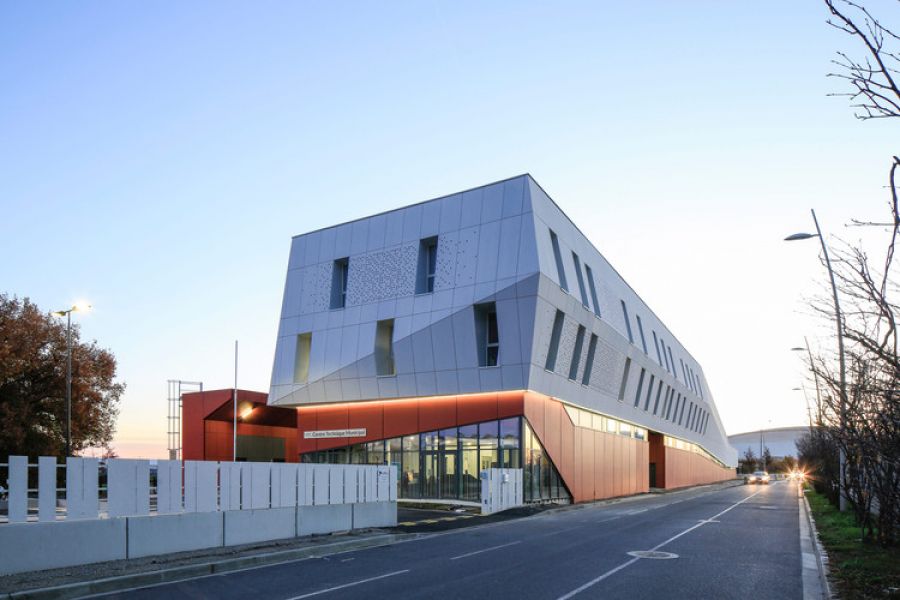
[[758, 477]]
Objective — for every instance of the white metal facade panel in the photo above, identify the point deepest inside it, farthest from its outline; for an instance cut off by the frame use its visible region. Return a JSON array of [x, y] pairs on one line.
[[47, 488], [18, 489]]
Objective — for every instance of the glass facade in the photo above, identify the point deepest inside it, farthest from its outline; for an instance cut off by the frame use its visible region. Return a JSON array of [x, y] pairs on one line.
[[445, 464]]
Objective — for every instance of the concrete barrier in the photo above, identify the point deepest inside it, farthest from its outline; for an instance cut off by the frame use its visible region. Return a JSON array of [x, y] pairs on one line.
[[324, 518], [262, 525], [374, 514], [174, 533], [38, 546]]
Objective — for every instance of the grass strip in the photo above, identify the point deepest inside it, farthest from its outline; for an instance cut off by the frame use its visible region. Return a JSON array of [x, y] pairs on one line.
[[859, 569]]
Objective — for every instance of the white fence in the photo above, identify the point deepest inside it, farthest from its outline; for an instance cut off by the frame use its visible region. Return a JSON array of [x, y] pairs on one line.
[[193, 505], [500, 489]]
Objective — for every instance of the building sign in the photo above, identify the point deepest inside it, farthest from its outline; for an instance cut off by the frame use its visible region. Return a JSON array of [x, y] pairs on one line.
[[333, 433]]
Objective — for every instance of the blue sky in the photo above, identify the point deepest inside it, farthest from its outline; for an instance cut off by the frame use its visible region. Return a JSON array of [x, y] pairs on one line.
[[156, 158]]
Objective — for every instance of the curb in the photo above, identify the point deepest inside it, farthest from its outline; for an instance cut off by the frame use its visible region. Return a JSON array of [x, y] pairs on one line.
[[818, 550], [175, 574]]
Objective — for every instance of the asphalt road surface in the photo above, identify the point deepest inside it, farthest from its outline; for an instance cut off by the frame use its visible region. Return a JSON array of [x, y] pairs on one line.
[[737, 542]]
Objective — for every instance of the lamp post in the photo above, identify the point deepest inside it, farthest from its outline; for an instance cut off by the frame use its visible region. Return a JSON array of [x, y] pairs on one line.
[[815, 378], [77, 307], [840, 338]]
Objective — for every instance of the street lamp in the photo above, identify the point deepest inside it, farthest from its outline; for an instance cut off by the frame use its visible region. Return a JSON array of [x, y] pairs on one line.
[[815, 378], [77, 307], [840, 337]]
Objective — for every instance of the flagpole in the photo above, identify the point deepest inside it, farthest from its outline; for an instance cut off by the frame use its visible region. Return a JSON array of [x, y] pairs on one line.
[[234, 402]]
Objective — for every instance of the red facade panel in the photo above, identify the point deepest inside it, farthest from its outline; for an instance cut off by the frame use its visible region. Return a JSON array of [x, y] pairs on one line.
[[440, 412], [474, 409], [401, 417]]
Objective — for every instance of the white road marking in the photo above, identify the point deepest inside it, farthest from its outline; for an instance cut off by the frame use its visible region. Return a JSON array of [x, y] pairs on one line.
[[486, 550], [628, 563], [346, 585]]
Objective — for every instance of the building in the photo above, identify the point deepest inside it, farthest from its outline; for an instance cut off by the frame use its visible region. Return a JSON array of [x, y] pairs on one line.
[[781, 441], [484, 329]]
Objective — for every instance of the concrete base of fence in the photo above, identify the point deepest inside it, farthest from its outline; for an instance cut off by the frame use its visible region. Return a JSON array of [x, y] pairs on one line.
[[260, 525], [374, 514], [162, 534], [37, 546], [324, 518]]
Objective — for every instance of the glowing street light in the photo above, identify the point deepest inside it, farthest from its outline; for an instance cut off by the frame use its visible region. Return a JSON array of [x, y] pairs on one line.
[[79, 306]]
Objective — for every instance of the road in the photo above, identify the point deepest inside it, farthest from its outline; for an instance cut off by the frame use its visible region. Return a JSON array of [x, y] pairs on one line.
[[737, 542]]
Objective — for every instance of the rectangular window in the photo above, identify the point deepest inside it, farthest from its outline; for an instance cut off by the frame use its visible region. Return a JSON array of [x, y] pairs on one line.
[[560, 270], [640, 387], [624, 380], [641, 332], [590, 278], [683, 370], [627, 322], [658, 394], [427, 265], [384, 347], [580, 277], [670, 393], [681, 414], [589, 363], [690, 415], [699, 386], [301, 358], [553, 350], [340, 276], [656, 345], [672, 360], [576, 353], [662, 343], [649, 394], [487, 334]]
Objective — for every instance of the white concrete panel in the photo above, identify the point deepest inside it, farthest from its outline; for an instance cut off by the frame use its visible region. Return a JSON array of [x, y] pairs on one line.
[[464, 338], [47, 488], [423, 359], [298, 246], [442, 348], [446, 382], [371, 484], [168, 486], [164, 534], [469, 381], [128, 484], [41, 546], [374, 514], [326, 518], [342, 239], [251, 526], [394, 228], [467, 256], [426, 384], [311, 251], [359, 237], [82, 493], [321, 484], [335, 485], [351, 484], [259, 485], [305, 484], [17, 496], [326, 245]]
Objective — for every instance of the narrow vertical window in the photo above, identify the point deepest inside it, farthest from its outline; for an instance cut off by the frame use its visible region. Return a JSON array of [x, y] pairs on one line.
[[658, 394], [553, 350], [683, 371], [561, 271], [656, 345], [641, 333], [624, 380], [340, 276], [576, 353], [690, 415], [589, 364], [662, 343], [427, 265], [488, 334], [580, 277], [672, 360], [384, 347], [593, 288], [627, 321], [669, 395], [681, 414], [649, 394], [301, 358], [640, 387], [699, 386]]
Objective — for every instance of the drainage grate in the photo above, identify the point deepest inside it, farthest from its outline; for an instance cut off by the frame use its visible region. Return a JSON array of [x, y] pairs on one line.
[[655, 554]]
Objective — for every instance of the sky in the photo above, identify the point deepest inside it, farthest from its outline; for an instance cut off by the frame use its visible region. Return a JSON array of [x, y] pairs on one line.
[[156, 158]]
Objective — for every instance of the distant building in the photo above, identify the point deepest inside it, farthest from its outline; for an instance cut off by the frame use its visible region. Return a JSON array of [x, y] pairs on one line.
[[781, 441], [483, 329]]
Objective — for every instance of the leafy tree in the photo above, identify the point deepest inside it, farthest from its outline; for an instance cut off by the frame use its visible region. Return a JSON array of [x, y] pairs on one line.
[[748, 461], [33, 384], [766, 458]]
